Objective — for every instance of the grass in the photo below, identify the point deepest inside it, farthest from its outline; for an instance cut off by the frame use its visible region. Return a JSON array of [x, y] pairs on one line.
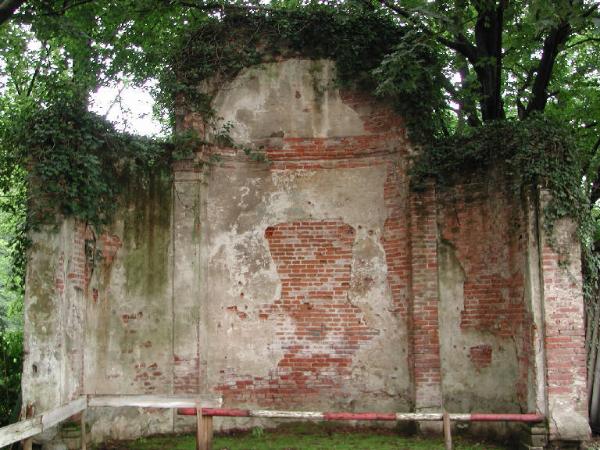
[[305, 437]]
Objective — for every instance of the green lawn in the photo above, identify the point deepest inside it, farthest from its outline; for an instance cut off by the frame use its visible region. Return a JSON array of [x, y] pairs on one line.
[[305, 437]]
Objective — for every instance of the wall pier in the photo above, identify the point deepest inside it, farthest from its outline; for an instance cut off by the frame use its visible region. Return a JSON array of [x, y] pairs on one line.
[[187, 285], [425, 301], [564, 337]]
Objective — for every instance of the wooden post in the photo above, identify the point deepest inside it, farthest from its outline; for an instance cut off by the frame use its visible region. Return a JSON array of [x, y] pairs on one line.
[[199, 428], [28, 443], [204, 430], [83, 431], [208, 432], [447, 431]]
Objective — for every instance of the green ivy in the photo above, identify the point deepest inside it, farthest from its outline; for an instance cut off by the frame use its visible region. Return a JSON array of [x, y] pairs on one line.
[[403, 66], [77, 164], [532, 152], [11, 364], [357, 38]]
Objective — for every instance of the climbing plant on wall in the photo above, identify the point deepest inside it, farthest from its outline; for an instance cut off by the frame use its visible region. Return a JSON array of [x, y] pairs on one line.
[[79, 168], [358, 39], [478, 82]]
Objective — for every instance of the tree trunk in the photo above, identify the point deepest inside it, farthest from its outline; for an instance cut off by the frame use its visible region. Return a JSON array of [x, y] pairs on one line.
[[468, 105], [488, 39], [552, 45]]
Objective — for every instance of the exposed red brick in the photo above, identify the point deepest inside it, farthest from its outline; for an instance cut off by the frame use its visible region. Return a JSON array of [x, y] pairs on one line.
[[186, 377], [424, 313], [564, 323], [486, 228], [313, 260], [481, 355], [396, 241]]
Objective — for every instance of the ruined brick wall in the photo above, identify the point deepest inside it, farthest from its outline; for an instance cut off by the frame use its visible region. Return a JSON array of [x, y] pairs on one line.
[[305, 305], [485, 320], [316, 279], [564, 337]]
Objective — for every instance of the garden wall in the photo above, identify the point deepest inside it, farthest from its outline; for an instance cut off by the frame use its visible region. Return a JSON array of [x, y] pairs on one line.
[[299, 270]]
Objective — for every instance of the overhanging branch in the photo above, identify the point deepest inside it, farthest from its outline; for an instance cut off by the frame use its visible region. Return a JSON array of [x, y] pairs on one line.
[[460, 43], [553, 44], [8, 8]]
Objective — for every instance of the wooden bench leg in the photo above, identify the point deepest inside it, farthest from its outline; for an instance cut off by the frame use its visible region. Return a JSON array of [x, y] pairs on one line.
[[447, 431], [204, 431], [28, 443], [83, 432], [208, 432]]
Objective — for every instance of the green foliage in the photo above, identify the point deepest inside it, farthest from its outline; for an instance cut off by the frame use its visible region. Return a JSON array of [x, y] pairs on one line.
[[537, 151], [76, 162], [11, 311], [11, 363], [411, 77], [358, 39], [59, 159], [355, 38]]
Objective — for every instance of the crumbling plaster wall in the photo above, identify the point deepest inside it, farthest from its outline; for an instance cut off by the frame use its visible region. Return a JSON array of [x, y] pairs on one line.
[[301, 311], [485, 325], [54, 317], [313, 279]]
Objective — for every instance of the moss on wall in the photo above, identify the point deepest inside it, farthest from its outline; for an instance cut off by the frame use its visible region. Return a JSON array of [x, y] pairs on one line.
[[147, 235]]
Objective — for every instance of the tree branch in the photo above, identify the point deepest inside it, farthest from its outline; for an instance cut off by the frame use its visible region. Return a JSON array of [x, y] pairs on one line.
[[488, 39], [553, 44], [583, 41], [591, 124], [460, 43], [591, 10], [8, 8], [521, 89], [37, 70], [215, 6], [397, 9], [468, 106]]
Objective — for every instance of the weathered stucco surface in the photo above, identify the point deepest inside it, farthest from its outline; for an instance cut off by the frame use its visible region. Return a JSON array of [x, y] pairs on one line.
[[310, 277], [484, 324], [297, 97], [252, 326], [54, 318], [300, 311]]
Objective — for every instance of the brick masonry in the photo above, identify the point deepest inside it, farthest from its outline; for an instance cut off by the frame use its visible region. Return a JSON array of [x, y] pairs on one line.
[[564, 338], [313, 261], [483, 222], [481, 355], [424, 314], [313, 279]]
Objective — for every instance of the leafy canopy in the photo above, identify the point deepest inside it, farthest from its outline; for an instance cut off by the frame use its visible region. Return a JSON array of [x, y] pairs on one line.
[[479, 82]]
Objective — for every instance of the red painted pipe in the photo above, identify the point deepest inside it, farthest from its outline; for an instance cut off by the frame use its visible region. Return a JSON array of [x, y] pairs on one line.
[[186, 411], [225, 412], [215, 412], [531, 418], [359, 416], [476, 417]]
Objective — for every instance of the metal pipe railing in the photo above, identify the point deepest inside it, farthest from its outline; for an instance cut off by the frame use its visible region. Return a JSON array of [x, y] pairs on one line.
[[205, 415]]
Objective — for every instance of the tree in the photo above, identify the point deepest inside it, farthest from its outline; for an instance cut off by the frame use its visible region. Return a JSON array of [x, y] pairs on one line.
[[503, 41], [8, 8], [488, 61]]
